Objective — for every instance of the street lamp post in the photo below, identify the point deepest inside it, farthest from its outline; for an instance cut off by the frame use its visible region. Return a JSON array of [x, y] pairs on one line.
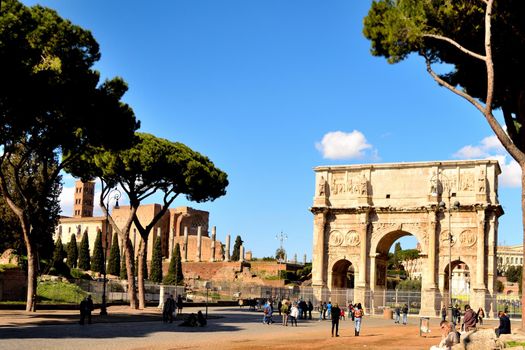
[[113, 194]]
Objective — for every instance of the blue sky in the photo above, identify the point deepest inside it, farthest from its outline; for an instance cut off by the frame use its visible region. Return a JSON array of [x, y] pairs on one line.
[[256, 85]]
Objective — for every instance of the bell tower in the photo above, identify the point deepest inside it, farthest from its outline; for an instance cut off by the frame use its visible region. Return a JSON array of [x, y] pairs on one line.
[[84, 199]]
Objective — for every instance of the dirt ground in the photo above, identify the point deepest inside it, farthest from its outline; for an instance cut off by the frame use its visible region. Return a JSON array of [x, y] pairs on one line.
[[228, 328]]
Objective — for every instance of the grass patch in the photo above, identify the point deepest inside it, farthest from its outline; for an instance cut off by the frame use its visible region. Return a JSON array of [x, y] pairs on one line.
[[4, 267], [60, 292], [513, 343]]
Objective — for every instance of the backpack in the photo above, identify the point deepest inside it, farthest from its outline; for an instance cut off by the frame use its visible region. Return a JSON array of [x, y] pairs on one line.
[[358, 313]]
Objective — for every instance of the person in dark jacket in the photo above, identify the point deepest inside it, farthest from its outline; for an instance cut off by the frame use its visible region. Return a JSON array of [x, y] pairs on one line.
[[336, 313], [470, 318], [504, 324], [404, 310], [443, 313], [310, 309]]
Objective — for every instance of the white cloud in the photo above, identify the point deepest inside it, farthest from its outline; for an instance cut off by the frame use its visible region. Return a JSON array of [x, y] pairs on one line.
[[342, 145], [510, 171], [488, 146], [491, 148], [66, 200]]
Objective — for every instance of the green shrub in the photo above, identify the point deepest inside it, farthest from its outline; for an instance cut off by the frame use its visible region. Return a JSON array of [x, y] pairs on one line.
[[79, 274]]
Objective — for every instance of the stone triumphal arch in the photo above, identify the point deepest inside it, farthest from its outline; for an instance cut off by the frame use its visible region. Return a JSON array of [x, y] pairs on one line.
[[360, 210]]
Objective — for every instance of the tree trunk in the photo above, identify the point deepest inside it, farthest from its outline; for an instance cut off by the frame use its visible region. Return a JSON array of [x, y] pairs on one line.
[[32, 269], [140, 274], [131, 277]]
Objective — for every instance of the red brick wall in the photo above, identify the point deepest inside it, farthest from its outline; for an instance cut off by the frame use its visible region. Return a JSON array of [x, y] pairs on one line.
[[13, 285]]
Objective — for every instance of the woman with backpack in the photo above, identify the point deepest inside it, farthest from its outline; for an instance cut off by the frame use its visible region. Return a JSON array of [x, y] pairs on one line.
[[358, 316]]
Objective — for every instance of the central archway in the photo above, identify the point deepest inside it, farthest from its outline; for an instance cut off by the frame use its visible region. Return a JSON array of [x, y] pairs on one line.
[[380, 257]]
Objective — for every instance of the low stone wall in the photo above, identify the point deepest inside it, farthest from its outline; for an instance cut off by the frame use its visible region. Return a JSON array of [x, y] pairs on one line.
[[13, 285]]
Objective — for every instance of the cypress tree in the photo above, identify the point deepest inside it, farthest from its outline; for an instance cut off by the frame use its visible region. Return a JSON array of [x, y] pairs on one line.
[[156, 262], [237, 249], [58, 252], [114, 257], [72, 252], [97, 261], [123, 269], [84, 262], [175, 275], [59, 267]]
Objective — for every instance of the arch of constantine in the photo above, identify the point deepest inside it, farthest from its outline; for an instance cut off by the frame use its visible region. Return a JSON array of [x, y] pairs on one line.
[[361, 210]]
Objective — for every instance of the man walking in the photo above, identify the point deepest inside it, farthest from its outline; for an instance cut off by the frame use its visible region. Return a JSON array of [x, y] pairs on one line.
[[336, 313], [397, 313], [405, 314]]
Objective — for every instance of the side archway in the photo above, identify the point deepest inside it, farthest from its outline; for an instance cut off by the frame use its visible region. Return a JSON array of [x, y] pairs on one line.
[[342, 281]]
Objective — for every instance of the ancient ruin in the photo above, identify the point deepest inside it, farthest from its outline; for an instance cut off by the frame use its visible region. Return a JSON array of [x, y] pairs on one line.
[[361, 210]]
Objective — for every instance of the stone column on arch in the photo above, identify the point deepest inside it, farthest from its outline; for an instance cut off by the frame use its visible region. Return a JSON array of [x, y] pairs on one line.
[[318, 256], [492, 272], [199, 244], [227, 248], [480, 289], [212, 248], [360, 286], [185, 245], [429, 290]]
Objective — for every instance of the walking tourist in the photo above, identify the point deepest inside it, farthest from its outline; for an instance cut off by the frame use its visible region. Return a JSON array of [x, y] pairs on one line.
[[310, 309], [397, 313], [342, 313], [449, 336], [504, 324], [179, 304], [481, 314], [279, 307], [443, 313], [304, 309], [336, 313], [329, 309], [294, 314], [351, 310], [358, 316], [86, 306], [300, 307], [168, 309], [267, 311], [405, 313], [285, 309], [469, 319], [455, 315]]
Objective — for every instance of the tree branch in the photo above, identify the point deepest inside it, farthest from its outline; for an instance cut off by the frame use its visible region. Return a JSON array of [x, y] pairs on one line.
[[442, 82], [488, 58], [456, 44]]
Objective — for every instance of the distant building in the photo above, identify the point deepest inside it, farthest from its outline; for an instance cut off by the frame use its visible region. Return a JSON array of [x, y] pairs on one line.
[[171, 227], [511, 255]]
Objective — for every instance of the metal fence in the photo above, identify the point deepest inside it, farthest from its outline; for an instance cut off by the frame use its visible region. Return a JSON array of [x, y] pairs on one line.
[[375, 302]]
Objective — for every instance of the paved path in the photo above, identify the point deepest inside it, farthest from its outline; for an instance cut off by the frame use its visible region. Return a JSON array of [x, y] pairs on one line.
[[228, 328]]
